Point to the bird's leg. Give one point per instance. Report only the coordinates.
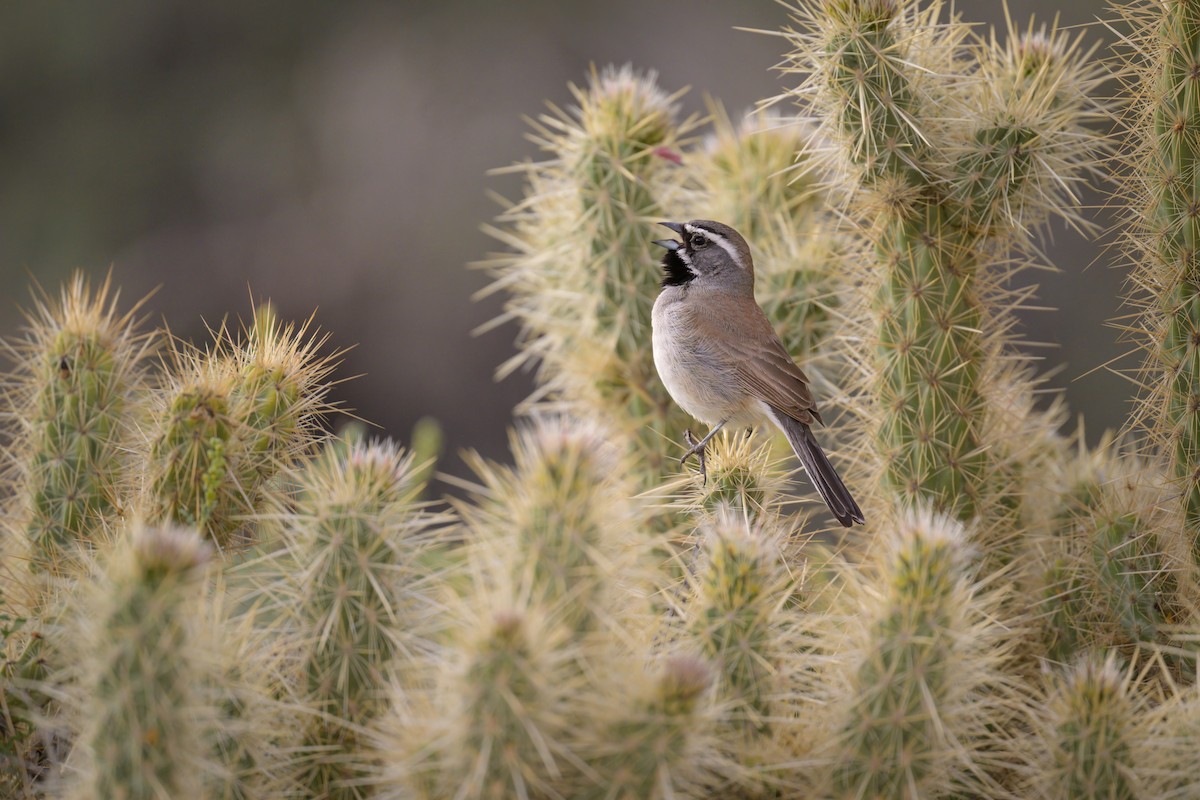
(697, 448)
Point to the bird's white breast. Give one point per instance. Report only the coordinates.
(699, 379)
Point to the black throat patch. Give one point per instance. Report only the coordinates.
(675, 271)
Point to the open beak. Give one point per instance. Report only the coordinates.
(670, 244)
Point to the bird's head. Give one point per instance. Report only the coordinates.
(707, 252)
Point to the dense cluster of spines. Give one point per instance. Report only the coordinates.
(196, 444)
(561, 521)
(927, 695)
(740, 591)
(756, 176)
(144, 727)
(582, 281)
(79, 371)
(228, 421)
(499, 722)
(355, 538)
(661, 749)
(1090, 736)
(1163, 127)
(940, 202)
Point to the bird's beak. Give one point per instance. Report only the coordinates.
(670, 244)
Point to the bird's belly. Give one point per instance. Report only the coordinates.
(700, 383)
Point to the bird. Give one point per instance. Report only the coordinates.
(721, 360)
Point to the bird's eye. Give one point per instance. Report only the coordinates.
(698, 241)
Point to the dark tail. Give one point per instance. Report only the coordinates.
(820, 471)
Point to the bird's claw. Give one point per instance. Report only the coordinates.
(695, 449)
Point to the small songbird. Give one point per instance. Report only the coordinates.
(721, 360)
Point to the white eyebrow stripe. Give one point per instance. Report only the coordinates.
(720, 241)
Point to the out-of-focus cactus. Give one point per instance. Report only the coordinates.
(1161, 152)
(195, 447)
(500, 720)
(1114, 569)
(1165, 742)
(563, 522)
(427, 443)
(1087, 737)
(228, 420)
(250, 741)
(355, 538)
(757, 176)
(72, 396)
(927, 698)
(144, 728)
(663, 747)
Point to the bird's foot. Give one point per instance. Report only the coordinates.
(695, 449)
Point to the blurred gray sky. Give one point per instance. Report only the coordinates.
(333, 157)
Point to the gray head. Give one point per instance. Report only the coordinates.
(710, 253)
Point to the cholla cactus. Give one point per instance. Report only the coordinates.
(928, 699)
(195, 450)
(228, 420)
(742, 473)
(1115, 569)
(74, 396)
(939, 201)
(144, 726)
(72, 401)
(743, 615)
(581, 627)
(1088, 737)
(355, 539)
(757, 176)
(664, 746)
(581, 276)
(500, 723)
(737, 619)
(283, 384)
(563, 523)
(1161, 141)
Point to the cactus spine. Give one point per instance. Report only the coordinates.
(663, 749)
(229, 420)
(282, 384)
(562, 522)
(755, 176)
(502, 727)
(734, 619)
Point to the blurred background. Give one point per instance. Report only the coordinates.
(333, 157)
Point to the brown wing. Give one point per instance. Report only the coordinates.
(760, 361)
